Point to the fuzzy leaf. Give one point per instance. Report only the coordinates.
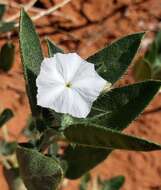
(2, 10)
(5, 116)
(104, 138)
(82, 159)
(114, 183)
(38, 171)
(133, 98)
(7, 56)
(52, 48)
(121, 106)
(32, 57)
(112, 61)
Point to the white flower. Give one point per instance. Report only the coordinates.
(68, 84)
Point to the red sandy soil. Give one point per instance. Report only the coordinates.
(85, 26)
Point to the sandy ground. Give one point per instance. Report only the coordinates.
(85, 26)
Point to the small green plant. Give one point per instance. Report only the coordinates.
(89, 140)
(149, 66)
(87, 115)
(114, 183)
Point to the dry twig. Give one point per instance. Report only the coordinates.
(48, 11)
(26, 7)
(38, 10)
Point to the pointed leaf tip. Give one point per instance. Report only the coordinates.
(119, 101)
(32, 56)
(114, 183)
(112, 61)
(105, 138)
(53, 48)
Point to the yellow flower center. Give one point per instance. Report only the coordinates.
(68, 85)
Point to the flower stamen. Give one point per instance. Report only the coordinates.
(68, 85)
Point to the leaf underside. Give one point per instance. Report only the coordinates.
(105, 138)
(38, 171)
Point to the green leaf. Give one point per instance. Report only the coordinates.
(82, 159)
(84, 181)
(6, 26)
(5, 116)
(153, 57)
(104, 138)
(38, 171)
(142, 70)
(114, 183)
(32, 57)
(52, 48)
(2, 10)
(115, 104)
(7, 56)
(112, 61)
(7, 148)
(154, 50)
(120, 106)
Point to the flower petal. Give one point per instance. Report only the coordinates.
(49, 82)
(68, 64)
(49, 71)
(88, 83)
(84, 84)
(72, 103)
(47, 94)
